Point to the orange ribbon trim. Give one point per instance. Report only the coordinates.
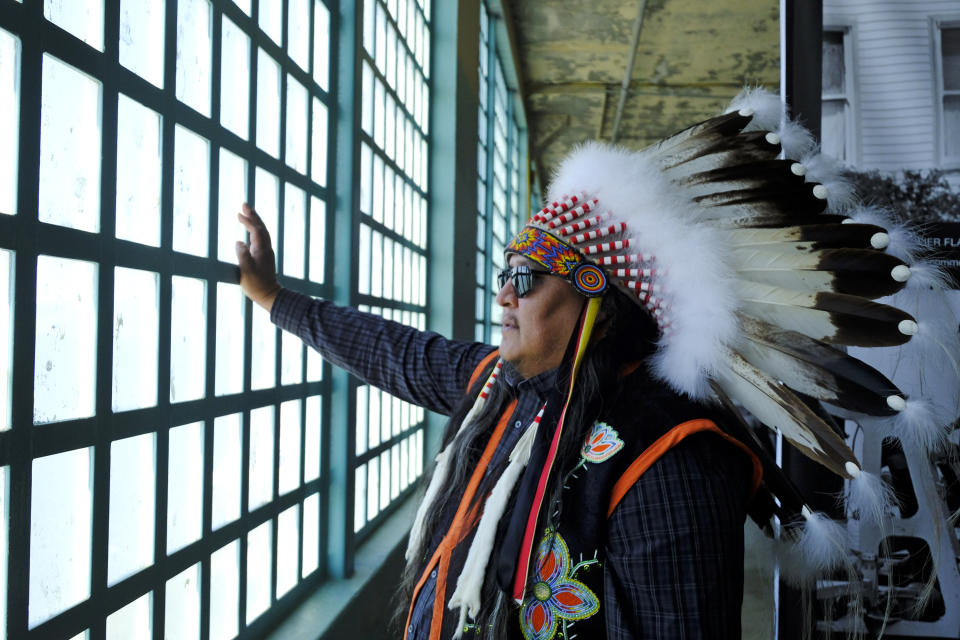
(666, 442)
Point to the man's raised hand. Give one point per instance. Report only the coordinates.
(258, 273)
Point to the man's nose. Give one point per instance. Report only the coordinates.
(507, 295)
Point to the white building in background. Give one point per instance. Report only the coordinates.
(891, 84)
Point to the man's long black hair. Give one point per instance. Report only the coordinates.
(624, 335)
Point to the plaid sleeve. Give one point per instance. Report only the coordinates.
(421, 367)
(675, 546)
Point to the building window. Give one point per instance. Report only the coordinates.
(392, 258)
(499, 156)
(950, 77)
(160, 470)
(837, 131)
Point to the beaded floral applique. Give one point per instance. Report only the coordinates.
(556, 599)
(602, 443)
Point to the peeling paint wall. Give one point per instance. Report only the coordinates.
(693, 56)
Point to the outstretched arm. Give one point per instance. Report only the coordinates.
(421, 367)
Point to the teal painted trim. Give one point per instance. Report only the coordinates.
(347, 21)
(452, 226)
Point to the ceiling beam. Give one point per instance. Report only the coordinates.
(628, 73)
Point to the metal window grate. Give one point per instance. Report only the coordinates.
(394, 54)
(498, 179)
(159, 442)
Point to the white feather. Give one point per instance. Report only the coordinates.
(869, 498)
(795, 140)
(819, 546)
(841, 194)
(904, 242)
(768, 110)
(922, 423)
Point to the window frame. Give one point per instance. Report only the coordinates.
(937, 25)
(849, 95)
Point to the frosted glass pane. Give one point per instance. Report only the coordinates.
(235, 79)
(271, 18)
(194, 44)
(288, 525)
(321, 44)
(833, 128)
(263, 360)
(182, 608)
(261, 457)
(61, 499)
(133, 622)
(314, 366)
(244, 5)
(289, 473)
(291, 359)
(9, 120)
(138, 173)
(141, 38)
(268, 104)
(259, 559)
(227, 466)
(318, 234)
(359, 497)
(311, 535)
(294, 231)
(132, 490)
(297, 103)
(82, 18)
(311, 439)
(135, 335)
(233, 192)
(268, 197)
(191, 192)
(69, 147)
(185, 486)
(951, 125)
(318, 170)
(65, 362)
(298, 32)
(229, 364)
(224, 591)
(6, 340)
(188, 339)
(950, 49)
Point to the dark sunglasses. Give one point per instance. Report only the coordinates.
(522, 278)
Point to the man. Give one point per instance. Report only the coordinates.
(669, 562)
(586, 485)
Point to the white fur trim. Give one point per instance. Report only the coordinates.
(466, 596)
(698, 296)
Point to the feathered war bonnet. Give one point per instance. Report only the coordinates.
(746, 248)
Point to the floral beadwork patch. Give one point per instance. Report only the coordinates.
(556, 597)
(602, 442)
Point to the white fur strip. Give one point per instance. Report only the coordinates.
(440, 471)
(469, 584)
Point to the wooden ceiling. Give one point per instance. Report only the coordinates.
(691, 57)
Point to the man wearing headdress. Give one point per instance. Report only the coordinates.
(665, 560)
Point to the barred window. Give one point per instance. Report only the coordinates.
(162, 439)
